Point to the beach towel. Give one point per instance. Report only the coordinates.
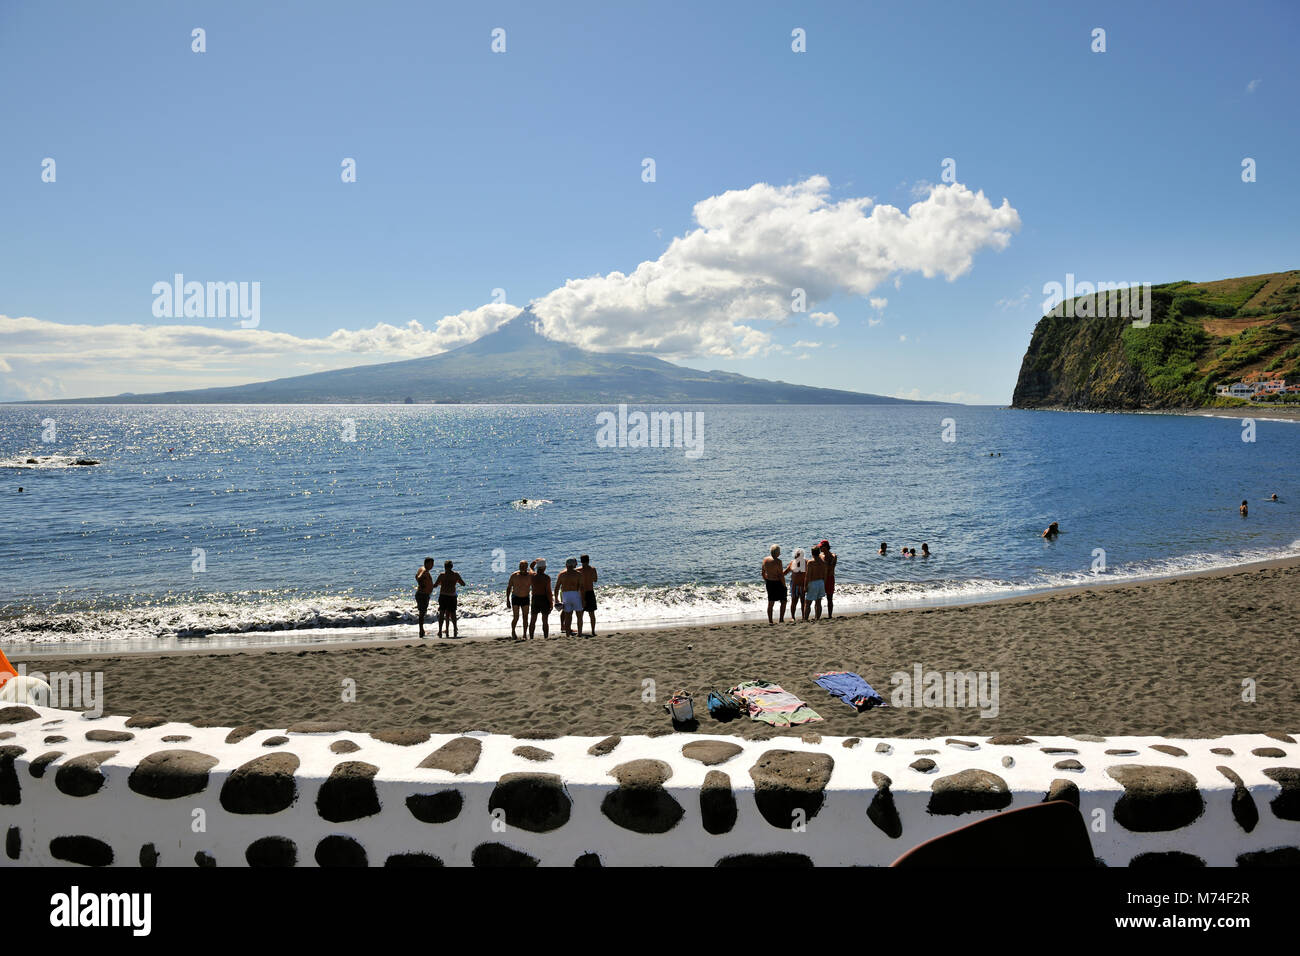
(772, 704)
(850, 688)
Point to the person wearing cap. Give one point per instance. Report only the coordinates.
(798, 570)
(774, 580)
(568, 595)
(831, 560)
(541, 603)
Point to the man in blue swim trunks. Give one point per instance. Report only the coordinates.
(816, 581)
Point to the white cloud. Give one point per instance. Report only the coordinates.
(1253, 85)
(902, 338)
(801, 344)
(1014, 302)
(711, 293)
(879, 304)
(110, 359)
(712, 288)
(872, 323)
(960, 398)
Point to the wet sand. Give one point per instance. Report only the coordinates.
(1163, 658)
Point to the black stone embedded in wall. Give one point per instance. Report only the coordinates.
(85, 850)
(171, 774)
(441, 807)
(717, 803)
(1156, 799)
(786, 781)
(11, 791)
(536, 802)
(498, 854)
(968, 791)
(263, 785)
(349, 792)
(272, 851)
(337, 850)
(640, 803)
(81, 776)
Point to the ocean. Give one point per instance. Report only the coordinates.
(256, 524)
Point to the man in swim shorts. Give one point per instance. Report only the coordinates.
(568, 595)
(774, 580)
(518, 588)
(816, 581)
(831, 560)
(423, 590)
(588, 593)
(446, 584)
(798, 583)
(541, 603)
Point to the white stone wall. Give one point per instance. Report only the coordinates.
(78, 790)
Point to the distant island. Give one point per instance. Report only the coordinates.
(515, 364)
(1232, 342)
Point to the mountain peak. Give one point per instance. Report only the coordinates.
(521, 332)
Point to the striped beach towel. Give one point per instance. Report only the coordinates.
(773, 704)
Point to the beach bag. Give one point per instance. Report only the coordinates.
(681, 708)
(722, 704)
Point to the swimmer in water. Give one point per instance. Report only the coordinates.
(1244, 510)
(925, 550)
(1052, 531)
(884, 548)
(1274, 497)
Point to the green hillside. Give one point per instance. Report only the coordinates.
(1202, 334)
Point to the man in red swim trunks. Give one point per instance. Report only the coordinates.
(830, 560)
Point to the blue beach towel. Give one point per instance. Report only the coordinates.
(850, 688)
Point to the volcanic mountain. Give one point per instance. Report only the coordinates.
(515, 364)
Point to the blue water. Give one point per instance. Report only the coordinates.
(300, 528)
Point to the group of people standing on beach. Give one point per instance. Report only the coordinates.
(528, 590)
(812, 580)
(574, 592)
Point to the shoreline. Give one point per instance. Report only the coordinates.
(1287, 413)
(1108, 659)
(403, 635)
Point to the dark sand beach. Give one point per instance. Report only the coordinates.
(1161, 658)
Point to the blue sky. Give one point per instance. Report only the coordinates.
(522, 170)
